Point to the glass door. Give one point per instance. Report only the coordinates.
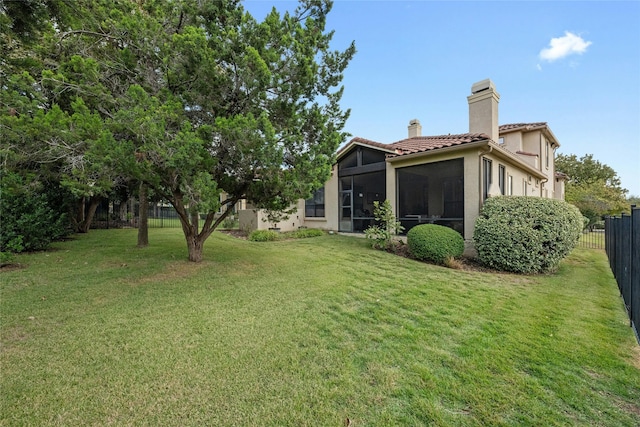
(346, 204)
(346, 210)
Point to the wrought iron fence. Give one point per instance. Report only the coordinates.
(622, 241)
(111, 214)
(592, 239)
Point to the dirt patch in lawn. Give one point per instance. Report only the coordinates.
(238, 234)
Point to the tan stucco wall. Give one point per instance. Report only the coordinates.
(531, 142)
(512, 141)
(558, 189)
(255, 219)
(331, 204)
(537, 143)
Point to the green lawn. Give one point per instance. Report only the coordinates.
(307, 333)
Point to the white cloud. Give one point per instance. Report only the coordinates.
(560, 47)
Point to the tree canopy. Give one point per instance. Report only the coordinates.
(592, 186)
(190, 98)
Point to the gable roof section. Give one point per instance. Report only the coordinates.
(512, 127)
(421, 144)
(528, 127)
(425, 144)
(365, 143)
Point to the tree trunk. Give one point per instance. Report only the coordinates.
(123, 210)
(143, 224)
(190, 226)
(84, 225)
(195, 245)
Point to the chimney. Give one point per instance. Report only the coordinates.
(414, 128)
(483, 109)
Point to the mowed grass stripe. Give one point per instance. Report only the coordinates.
(307, 332)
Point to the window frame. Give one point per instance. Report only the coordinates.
(502, 173)
(487, 178)
(313, 204)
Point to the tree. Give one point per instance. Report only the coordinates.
(387, 226)
(245, 108)
(53, 104)
(592, 186)
(189, 98)
(633, 200)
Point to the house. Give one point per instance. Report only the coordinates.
(434, 179)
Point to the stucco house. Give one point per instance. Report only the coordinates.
(440, 179)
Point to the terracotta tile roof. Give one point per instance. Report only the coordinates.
(372, 143)
(363, 141)
(420, 144)
(517, 126)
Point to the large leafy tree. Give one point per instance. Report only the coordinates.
(54, 102)
(592, 186)
(233, 105)
(191, 98)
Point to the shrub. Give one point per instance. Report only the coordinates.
(264, 236)
(435, 243)
(304, 233)
(526, 234)
(29, 223)
(388, 226)
(229, 223)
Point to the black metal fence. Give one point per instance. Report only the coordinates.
(126, 214)
(110, 214)
(622, 244)
(592, 239)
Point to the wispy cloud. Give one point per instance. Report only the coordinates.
(561, 47)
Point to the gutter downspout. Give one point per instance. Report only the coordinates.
(543, 181)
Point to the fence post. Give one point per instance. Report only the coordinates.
(634, 282)
(625, 261)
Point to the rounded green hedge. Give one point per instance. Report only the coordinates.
(264, 236)
(304, 233)
(435, 243)
(526, 234)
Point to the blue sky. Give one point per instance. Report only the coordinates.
(574, 65)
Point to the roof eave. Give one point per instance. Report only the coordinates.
(434, 151)
(508, 155)
(354, 142)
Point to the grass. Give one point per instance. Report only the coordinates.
(307, 332)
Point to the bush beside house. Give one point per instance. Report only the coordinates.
(526, 234)
(435, 243)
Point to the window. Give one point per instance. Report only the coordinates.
(486, 182)
(360, 156)
(314, 206)
(510, 185)
(546, 153)
(349, 161)
(501, 174)
(431, 193)
(372, 156)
